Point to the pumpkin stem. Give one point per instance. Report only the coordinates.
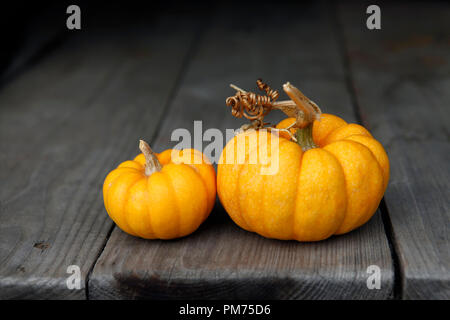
(304, 110)
(256, 107)
(305, 138)
(152, 163)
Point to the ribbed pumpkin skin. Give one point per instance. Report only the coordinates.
(328, 190)
(168, 204)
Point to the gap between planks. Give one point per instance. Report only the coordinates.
(194, 44)
(343, 49)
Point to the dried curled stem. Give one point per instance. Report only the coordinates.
(255, 107)
(272, 94)
(251, 105)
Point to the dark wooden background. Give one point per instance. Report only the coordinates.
(73, 105)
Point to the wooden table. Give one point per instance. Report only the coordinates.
(77, 109)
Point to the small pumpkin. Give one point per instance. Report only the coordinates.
(161, 196)
(330, 181)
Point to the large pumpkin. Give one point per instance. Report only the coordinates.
(329, 182)
(164, 196)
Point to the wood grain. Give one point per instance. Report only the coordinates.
(61, 126)
(220, 260)
(401, 76)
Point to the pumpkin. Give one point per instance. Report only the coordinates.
(329, 182)
(161, 196)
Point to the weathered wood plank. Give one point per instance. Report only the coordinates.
(61, 126)
(277, 43)
(401, 75)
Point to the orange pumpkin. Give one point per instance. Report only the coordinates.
(161, 196)
(329, 182)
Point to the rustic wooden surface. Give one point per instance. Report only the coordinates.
(220, 260)
(83, 103)
(79, 111)
(401, 77)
